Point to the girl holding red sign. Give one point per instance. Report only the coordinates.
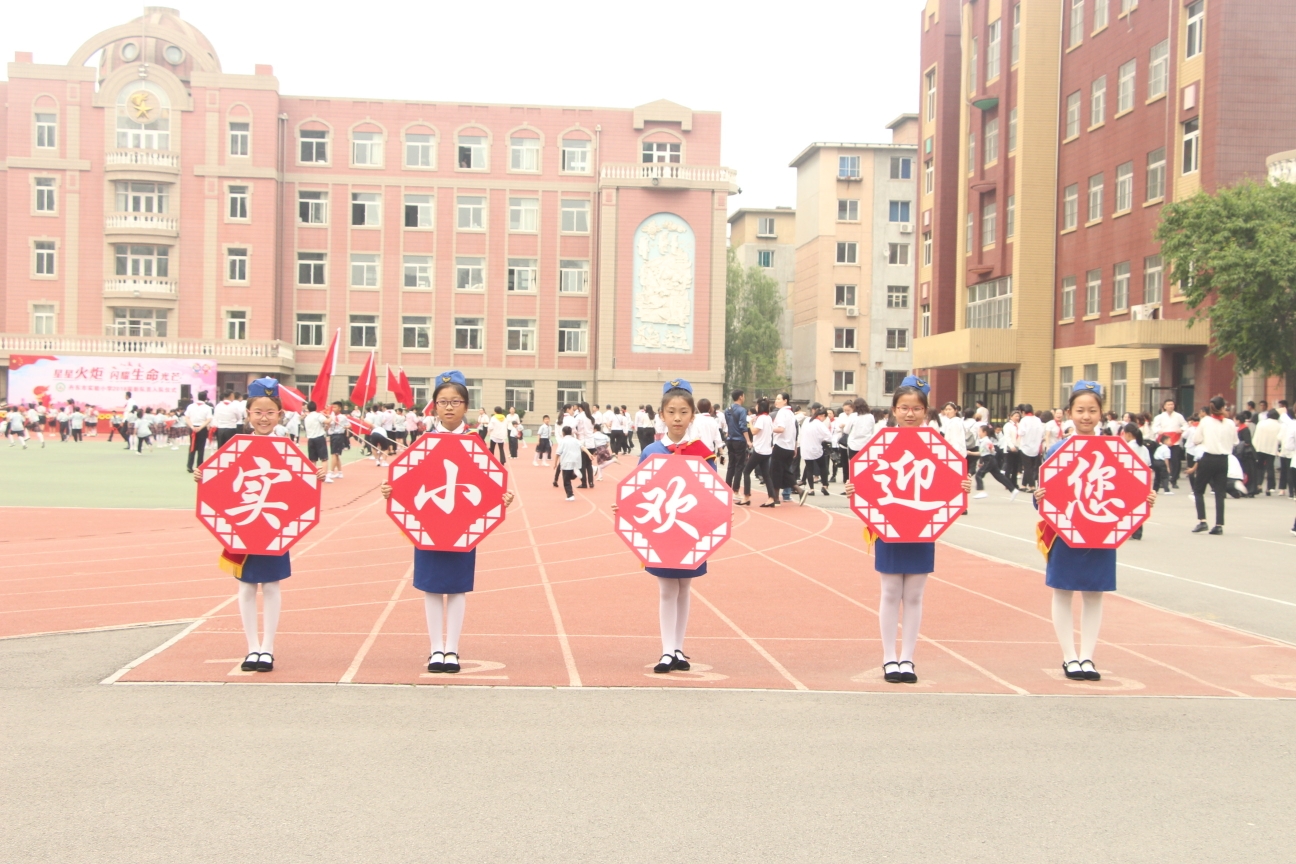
(904, 567)
(1089, 571)
(446, 578)
(677, 412)
(265, 412)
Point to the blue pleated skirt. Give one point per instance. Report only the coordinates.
(444, 572)
(904, 558)
(265, 568)
(1080, 569)
(671, 573)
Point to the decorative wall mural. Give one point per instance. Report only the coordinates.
(664, 254)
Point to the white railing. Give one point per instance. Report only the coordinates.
(143, 158)
(108, 345)
(139, 285)
(141, 222)
(668, 171)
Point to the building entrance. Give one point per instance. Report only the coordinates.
(995, 389)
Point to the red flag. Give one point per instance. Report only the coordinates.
(320, 392)
(394, 385)
(406, 390)
(357, 426)
(366, 386)
(292, 399)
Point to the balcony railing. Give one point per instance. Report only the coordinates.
(150, 222)
(134, 286)
(669, 171)
(133, 158)
(990, 305)
(109, 345)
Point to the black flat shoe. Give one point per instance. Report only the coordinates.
(1088, 671)
(666, 664)
(1073, 670)
(265, 662)
(910, 677)
(680, 662)
(891, 676)
(435, 665)
(1217, 530)
(250, 662)
(770, 504)
(451, 666)
(1201, 527)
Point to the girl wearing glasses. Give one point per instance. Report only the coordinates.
(904, 567)
(445, 578)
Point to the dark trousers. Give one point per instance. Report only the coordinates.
(497, 447)
(1012, 464)
(646, 436)
(223, 436)
(1162, 472)
(989, 464)
(197, 447)
(1284, 468)
(1030, 470)
(587, 470)
(842, 457)
(737, 463)
(815, 467)
(619, 442)
(760, 463)
(513, 445)
(75, 433)
(568, 476)
(1176, 464)
(63, 431)
(1212, 471)
(783, 468)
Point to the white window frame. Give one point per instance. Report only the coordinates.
(470, 274)
(1191, 151)
(848, 167)
(1068, 298)
(844, 296)
(843, 380)
(1093, 293)
(238, 203)
(765, 225)
(1072, 116)
(1016, 34)
(576, 155)
(1101, 9)
(575, 215)
(1153, 279)
(1076, 29)
(416, 329)
(1010, 218)
(422, 207)
(310, 325)
(844, 339)
(929, 176)
(470, 212)
(898, 254)
(929, 82)
(1070, 207)
(524, 155)
(316, 204)
(850, 206)
(44, 258)
(1098, 101)
(44, 319)
(573, 276)
(765, 258)
(897, 296)
(367, 325)
(1156, 174)
(367, 149)
(524, 215)
(1195, 32)
(1159, 69)
(1095, 212)
(240, 138)
(372, 203)
(1127, 77)
(927, 248)
(476, 148)
(573, 336)
(1120, 286)
(994, 33)
(318, 139)
(523, 276)
(847, 252)
(1012, 131)
(899, 211)
(236, 264)
(420, 150)
(45, 196)
(897, 339)
(1124, 187)
(989, 224)
(365, 270)
(46, 131)
(991, 147)
(520, 335)
(236, 325)
(416, 272)
(469, 334)
(313, 265)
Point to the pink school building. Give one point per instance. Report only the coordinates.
(155, 205)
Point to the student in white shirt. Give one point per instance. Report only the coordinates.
(226, 418)
(815, 436)
(513, 426)
(570, 456)
(1171, 422)
(544, 447)
(783, 460)
(1217, 435)
(316, 426)
(1030, 440)
(198, 417)
(144, 432)
(76, 423)
(643, 427)
(1265, 440)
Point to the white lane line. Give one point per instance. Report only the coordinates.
(198, 622)
(107, 628)
(569, 659)
(351, 671)
(997, 533)
(756, 646)
(1274, 542)
(1209, 585)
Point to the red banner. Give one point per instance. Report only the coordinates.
(258, 495)
(447, 492)
(1095, 491)
(673, 511)
(908, 484)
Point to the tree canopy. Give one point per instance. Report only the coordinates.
(1234, 254)
(753, 339)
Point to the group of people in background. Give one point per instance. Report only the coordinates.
(72, 422)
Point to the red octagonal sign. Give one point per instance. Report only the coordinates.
(908, 484)
(447, 492)
(1095, 491)
(673, 511)
(258, 494)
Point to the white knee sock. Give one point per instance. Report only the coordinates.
(682, 611)
(1062, 624)
(914, 585)
(1090, 622)
(455, 606)
(432, 607)
(889, 613)
(272, 600)
(668, 612)
(248, 612)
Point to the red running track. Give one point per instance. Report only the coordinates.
(790, 603)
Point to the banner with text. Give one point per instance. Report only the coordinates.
(154, 382)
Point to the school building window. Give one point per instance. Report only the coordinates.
(991, 141)
(240, 135)
(1151, 370)
(236, 321)
(312, 207)
(470, 274)
(575, 156)
(421, 391)
(472, 212)
(1195, 43)
(310, 328)
(367, 148)
(901, 168)
(522, 274)
(899, 211)
(364, 270)
(520, 335)
(1066, 377)
(310, 268)
(897, 296)
(236, 260)
(1156, 174)
(46, 131)
(661, 151)
(1191, 145)
(44, 252)
(1120, 286)
(1152, 279)
(1070, 206)
(897, 339)
(765, 257)
(524, 214)
(575, 216)
(313, 146)
(573, 337)
(1093, 291)
(844, 338)
(844, 295)
(366, 208)
(573, 277)
(418, 211)
(843, 381)
(848, 167)
(897, 253)
(418, 151)
(1125, 87)
(891, 379)
(45, 191)
(1118, 387)
(363, 331)
(43, 319)
(417, 271)
(847, 210)
(416, 332)
(570, 393)
(472, 152)
(238, 202)
(524, 154)
(1124, 186)
(146, 261)
(468, 334)
(847, 253)
(520, 395)
(1068, 297)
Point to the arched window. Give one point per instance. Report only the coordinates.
(143, 117)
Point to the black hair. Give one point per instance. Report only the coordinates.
(1217, 404)
(1272, 414)
(274, 399)
(704, 406)
(310, 406)
(860, 406)
(1134, 432)
(786, 397)
(1076, 394)
(969, 413)
(1026, 408)
(567, 430)
(584, 406)
(679, 393)
(737, 394)
(458, 388)
(499, 410)
(652, 415)
(908, 390)
(616, 410)
(821, 411)
(762, 406)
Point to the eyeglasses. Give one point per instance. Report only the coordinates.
(450, 403)
(910, 409)
(261, 414)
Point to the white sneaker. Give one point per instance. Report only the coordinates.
(328, 479)
(1013, 496)
(573, 498)
(338, 475)
(981, 495)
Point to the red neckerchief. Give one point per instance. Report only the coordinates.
(690, 448)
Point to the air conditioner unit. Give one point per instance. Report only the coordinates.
(1145, 312)
(852, 311)
(906, 227)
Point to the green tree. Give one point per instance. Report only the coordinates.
(1234, 254)
(753, 336)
